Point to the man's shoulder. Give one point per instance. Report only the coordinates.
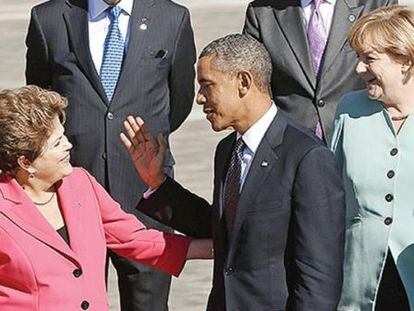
(171, 5)
(297, 138)
(51, 5)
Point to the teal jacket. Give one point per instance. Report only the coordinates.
(378, 173)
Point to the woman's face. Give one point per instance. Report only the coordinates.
(383, 76)
(53, 163)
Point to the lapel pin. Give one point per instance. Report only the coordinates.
(264, 164)
(143, 25)
(351, 18)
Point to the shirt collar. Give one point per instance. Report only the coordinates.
(253, 136)
(305, 3)
(98, 7)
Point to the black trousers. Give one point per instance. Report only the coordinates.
(391, 293)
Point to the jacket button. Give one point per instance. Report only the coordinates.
(110, 116)
(228, 271)
(389, 197)
(321, 103)
(390, 174)
(104, 156)
(77, 273)
(388, 221)
(84, 305)
(394, 151)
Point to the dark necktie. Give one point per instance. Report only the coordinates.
(232, 187)
(113, 54)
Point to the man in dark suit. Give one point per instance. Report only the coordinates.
(277, 217)
(307, 95)
(111, 59)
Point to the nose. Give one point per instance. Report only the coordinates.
(360, 68)
(201, 99)
(68, 145)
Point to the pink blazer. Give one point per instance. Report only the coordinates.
(39, 271)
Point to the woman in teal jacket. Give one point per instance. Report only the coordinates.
(373, 139)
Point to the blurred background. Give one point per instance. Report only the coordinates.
(210, 19)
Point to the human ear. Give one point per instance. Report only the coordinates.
(25, 164)
(245, 81)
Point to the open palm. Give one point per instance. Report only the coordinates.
(148, 155)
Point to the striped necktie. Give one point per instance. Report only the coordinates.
(113, 54)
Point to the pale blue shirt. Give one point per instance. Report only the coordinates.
(252, 138)
(98, 23)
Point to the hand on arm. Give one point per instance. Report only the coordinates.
(148, 155)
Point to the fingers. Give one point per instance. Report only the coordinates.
(144, 129)
(127, 143)
(134, 130)
(162, 146)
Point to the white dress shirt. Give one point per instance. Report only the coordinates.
(326, 8)
(252, 138)
(98, 23)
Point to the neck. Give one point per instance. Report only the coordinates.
(34, 187)
(402, 103)
(254, 110)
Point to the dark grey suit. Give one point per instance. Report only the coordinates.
(286, 248)
(279, 25)
(160, 89)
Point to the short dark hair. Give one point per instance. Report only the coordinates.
(237, 52)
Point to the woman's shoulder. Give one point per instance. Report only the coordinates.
(357, 104)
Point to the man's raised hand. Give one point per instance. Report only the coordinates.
(148, 156)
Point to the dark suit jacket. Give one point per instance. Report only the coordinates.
(286, 250)
(160, 90)
(280, 27)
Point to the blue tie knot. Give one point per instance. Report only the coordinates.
(114, 12)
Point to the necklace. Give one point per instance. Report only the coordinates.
(399, 118)
(47, 202)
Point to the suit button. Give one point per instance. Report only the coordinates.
(321, 103)
(104, 156)
(110, 116)
(77, 273)
(390, 174)
(394, 151)
(389, 197)
(228, 271)
(84, 305)
(388, 221)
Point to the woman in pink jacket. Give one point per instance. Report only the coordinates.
(57, 221)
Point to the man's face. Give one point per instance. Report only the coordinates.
(219, 95)
(112, 2)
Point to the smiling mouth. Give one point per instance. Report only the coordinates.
(66, 158)
(371, 81)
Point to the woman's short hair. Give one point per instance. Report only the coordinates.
(387, 30)
(26, 119)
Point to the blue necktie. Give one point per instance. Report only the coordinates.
(113, 54)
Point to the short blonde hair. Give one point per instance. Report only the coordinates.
(387, 30)
(26, 118)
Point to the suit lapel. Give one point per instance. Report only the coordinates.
(24, 214)
(262, 164)
(138, 37)
(289, 16)
(346, 12)
(76, 18)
